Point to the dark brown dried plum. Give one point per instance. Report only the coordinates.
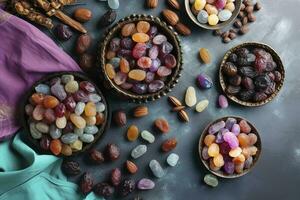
(127, 187)
(103, 189)
(242, 52)
(232, 58)
(261, 82)
(112, 152)
(235, 80)
(108, 18)
(247, 83)
(233, 89)
(96, 156)
(247, 71)
(278, 76)
(86, 183)
(271, 89)
(242, 61)
(271, 66)
(246, 95)
(259, 96)
(229, 69)
(70, 168)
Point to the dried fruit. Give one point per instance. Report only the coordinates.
(174, 101)
(70, 168)
(63, 32)
(183, 29)
(112, 152)
(132, 133)
(128, 29)
(204, 81)
(140, 37)
(138, 151)
(140, 111)
(205, 55)
(183, 116)
(145, 184)
(108, 18)
(211, 180)
(96, 156)
(115, 177)
(83, 43)
(170, 16)
(149, 137)
(131, 167)
(86, 183)
(120, 118)
(169, 144)
(103, 189)
(143, 26)
(152, 3)
(55, 146)
(127, 187)
(172, 159)
(156, 169)
(223, 103)
(202, 105)
(162, 125)
(82, 14)
(190, 96)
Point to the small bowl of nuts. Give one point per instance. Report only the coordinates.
(251, 74)
(213, 14)
(64, 114)
(229, 147)
(141, 58)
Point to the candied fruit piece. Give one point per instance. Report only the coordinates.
(87, 86)
(90, 109)
(49, 116)
(124, 65)
(152, 31)
(159, 39)
(70, 103)
(244, 139)
(55, 146)
(218, 160)
(38, 113)
(155, 86)
(37, 98)
(132, 133)
(139, 50)
(239, 168)
(140, 37)
(143, 27)
(162, 125)
(252, 138)
(229, 167)
(245, 127)
(120, 78)
(212, 166)
(239, 159)
(169, 144)
(235, 152)
(213, 150)
(114, 44)
(204, 153)
(144, 62)
(209, 139)
(50, 101)
(139, 88)
(153, 52)
(128, 29)
(77, 120)
(137, 74)
(170, 61)
(126, 43)
(163, 71)
(231, 139)
(110, 71)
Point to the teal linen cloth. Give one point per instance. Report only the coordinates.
(25, 175)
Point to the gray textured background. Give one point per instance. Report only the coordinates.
(276, 175)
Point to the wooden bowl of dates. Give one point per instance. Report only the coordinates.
(64, 114)
(251, 74)
(192, 13)
(141, 58)
(231, 151)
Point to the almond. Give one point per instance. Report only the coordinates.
(140, 111)
(184, 116)
(152, 3)
(175, 101)
(178, 108)
(182, 29)
(174, 4)
(170, 16)
(131, 167)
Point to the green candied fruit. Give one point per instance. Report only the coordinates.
(211, 180)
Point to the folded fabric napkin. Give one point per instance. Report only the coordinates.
(26, 55)
(27, 175)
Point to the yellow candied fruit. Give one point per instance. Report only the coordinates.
(209, 139)
(218, 160)
(111, 73)
(213, 19)
(199, 4)
(213, 150)
(140, 37)
(235, 152)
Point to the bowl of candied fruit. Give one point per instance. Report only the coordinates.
(141, 58)
(229, 147)
(64, 114)
(251, 74)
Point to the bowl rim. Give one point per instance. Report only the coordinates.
(174, 79)
(192, 17)
(276, 58)
(222, 174)
(83, 77)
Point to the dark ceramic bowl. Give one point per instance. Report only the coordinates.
(171, 80)
(80, 77)
(220, 173)
(221, 25)
(276, 59)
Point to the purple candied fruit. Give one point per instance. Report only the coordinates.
(229, 167)
(223, 102)
(155, 86)
(155, 65)
(152, 31)
(114, 44)
(166, 47)
(219, 137)
(224, 148)
(204, 153)
(159, 39)
(70, 103)
(235, 129)
(229, 123)
(145, 184)
(149, 77)
(163, 71)
(58, 91)
(139, 50)
(124, 53)
(126, 86)
(170, 61)
(231, 139)
(126, 43)
(139, 88)
(216, 127)
(80, 96)
(248, 162)
(204, 81)
(120, 78)
(153, 52)
(220, 4)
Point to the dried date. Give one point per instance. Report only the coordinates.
(70, 168)
(86, 183)
(112, 152)
(115, 177)
(103, 189)
(96, 156)
(108, 18)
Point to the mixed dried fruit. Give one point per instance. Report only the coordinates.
(67, 112)
(140, 58)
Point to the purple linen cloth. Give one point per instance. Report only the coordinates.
(26, 55)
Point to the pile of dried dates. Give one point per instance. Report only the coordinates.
(251, 74)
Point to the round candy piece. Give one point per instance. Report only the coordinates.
(202, 17)
(213, 150)
(224, 15)
(213, 19)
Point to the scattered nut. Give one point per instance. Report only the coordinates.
(140, 111)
